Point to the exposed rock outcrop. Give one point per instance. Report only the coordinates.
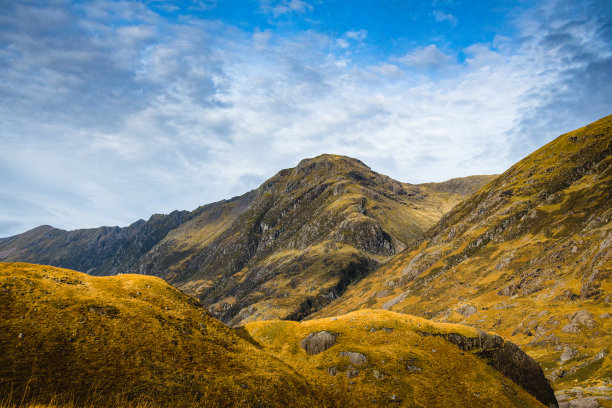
(318, 342)
(509, 360)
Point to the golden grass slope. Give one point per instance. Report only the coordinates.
(402, 367)
(130, 340)
(72, 340)
(528, 256)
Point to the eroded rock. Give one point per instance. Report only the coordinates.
(467, 310)
(318, 342)
(583, 318)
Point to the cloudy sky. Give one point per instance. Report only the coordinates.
(111, 111)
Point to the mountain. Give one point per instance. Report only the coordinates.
(528, 256)
(112, 250)
(307, 234)
(97, 251)
(282, 251)
(71, 339)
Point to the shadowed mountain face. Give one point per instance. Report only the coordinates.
(528, 256)
(124, 341)
(281, 251)
(112, 250)
(97, 251)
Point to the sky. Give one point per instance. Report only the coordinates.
(111, 111)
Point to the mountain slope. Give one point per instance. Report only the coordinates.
(126, 340)
(307, 234)
(112, 250)
(133, 340)
(528, 256)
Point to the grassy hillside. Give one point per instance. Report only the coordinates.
(528, 256)
(128, 340)
(384, 358)
(70, 339)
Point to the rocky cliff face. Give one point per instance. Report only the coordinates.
(522, 257)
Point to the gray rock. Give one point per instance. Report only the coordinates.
(605, 315)
(588, 402)
(354, 357)
(583, 318)
(352, 372)
(318, 342)
(378, 375)
(332, 371)
(413, 368)
(467, 310)
(568, 354)
(571, 328)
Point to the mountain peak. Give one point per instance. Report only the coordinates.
(329, 161)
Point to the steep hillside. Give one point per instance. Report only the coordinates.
(132, 340)
(70, 337)
(529, 256)
(307, 234)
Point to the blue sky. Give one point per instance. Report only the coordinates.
(111, 111)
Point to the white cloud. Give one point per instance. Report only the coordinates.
(441, 16)
(429, 57)
(279, 8)
(358, 35)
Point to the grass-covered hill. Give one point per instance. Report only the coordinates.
(68, 339)
(281, 251)
(528, 256)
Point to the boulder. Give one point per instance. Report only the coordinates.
(570, 328)
(354, 357)
(467, 310)
(318, 342)
(568, 354)
(583, 318)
